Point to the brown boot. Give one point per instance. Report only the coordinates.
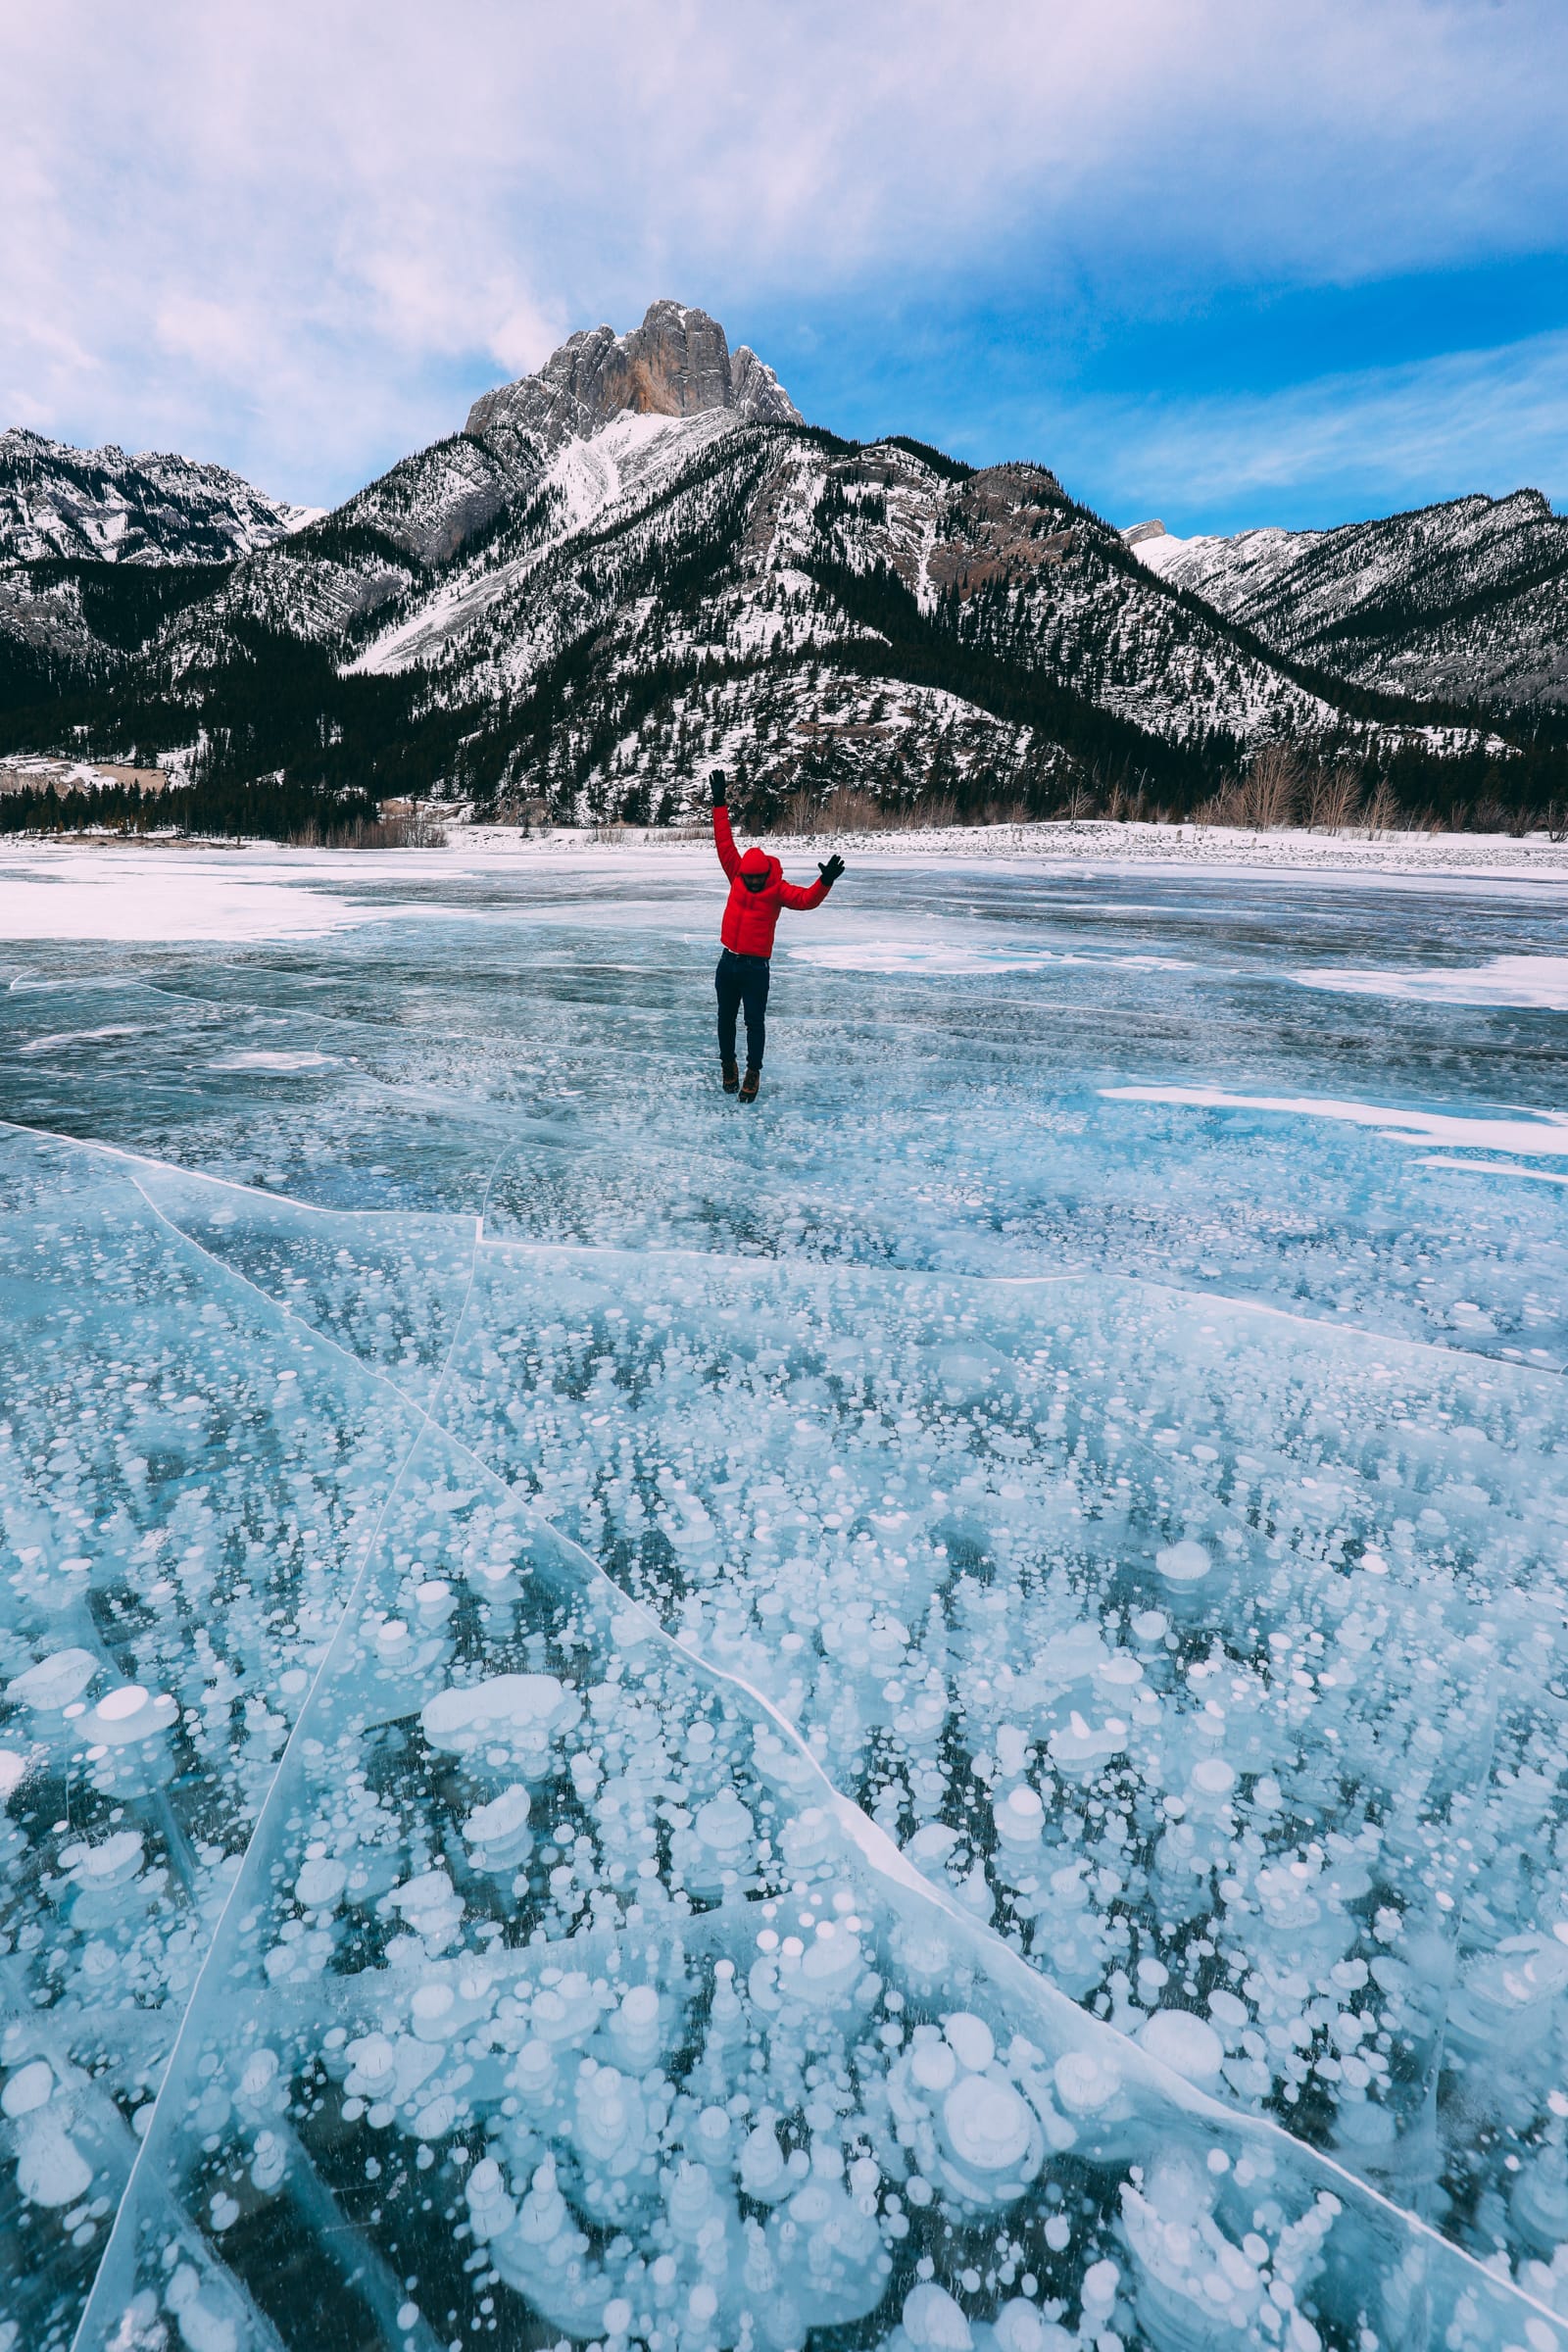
(749, 1084)
(731, 1076)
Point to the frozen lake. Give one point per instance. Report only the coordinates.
(934, 1714)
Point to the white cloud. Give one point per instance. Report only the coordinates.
(1487, 421)
(375, 206)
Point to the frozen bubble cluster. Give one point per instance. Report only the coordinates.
(935, 1716)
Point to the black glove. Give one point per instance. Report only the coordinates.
(720, 787)
(831, 872)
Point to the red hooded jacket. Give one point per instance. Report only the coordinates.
(750, 917)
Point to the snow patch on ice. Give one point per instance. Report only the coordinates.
(156, 898)
(1537, 982)
(947, 959)
(81, 1036)
(1544, 1132)
(1493, 1167)
(278, 1061)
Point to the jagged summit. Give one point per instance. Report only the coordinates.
(677, 364)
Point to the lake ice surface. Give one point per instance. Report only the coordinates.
(933, 1715)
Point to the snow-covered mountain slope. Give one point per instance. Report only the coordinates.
(639, 563)
(672, 592)
(105, 505)
(1466, 601)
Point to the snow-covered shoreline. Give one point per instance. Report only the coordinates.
(1098, 841)
(160, 891)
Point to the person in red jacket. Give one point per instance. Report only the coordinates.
(757, 891)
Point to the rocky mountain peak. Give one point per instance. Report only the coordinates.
(677, 364)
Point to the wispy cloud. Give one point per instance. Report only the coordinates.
(301, 237)
(1492, 421)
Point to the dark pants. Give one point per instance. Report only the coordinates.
(742, 981)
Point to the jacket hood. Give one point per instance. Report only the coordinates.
(755, 860)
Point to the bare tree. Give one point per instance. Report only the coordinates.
(1271, 786)
(1382, 813)
(1334, 796)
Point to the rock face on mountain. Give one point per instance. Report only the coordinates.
(676, 363)
(113, 508)
(1466, 600)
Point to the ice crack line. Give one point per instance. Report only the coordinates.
(881, 1855)
(118, 2248)
(863, 1270)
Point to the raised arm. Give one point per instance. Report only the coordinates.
(795, 894)
(723, 838)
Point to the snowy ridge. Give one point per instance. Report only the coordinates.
(1465, 601)
(588, 482)
(113, 509)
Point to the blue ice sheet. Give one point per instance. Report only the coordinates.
(929, 1715)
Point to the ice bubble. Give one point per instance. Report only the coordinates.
(933, 2322)
(809, 1839)
(987, 2125)
(1100, 2281)
(612, 2123)
(430, 1906)
(261, 2072)
(932, 1844)
(31, 2087)
(55, 1682)
(565, 2012)
(1020, 1818)
(1506, 1991)
(1020, 2328)
(725, 1831)
(112, 1862)
(933, 2064)
(972, 2040)
(635, 2030)
(320, 1882)
(128, 1713)
(1186, 2043)
(1085, 2083)
(1080, 1747)
(1210, 1782)
(520, 1710)
(764, 2175)
(534, 2076)
(201, 2327)
(372, 2066)
(51, 2169)
(497, 1834)
(439, 2008)
(828, 1968)
(1183, 1563)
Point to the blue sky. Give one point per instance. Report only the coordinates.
(1223, 261)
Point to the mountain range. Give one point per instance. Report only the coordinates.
(1466, 602)
(640, 562)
